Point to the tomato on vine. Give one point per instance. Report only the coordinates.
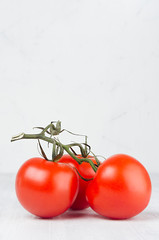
(120, 189)
(46, 189)
(86, 171)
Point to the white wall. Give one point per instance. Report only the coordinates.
(92, 64)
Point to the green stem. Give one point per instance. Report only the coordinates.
(50, 140)
(81, 159)
(85, 179)
(86, 144)
(45, 129)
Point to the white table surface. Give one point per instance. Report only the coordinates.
(17, 223)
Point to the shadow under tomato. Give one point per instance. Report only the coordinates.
(70, 214)
(144, 216)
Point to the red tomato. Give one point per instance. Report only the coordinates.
(120, 189)
(46, 189)
(86, 171)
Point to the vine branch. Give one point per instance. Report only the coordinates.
(42, 136)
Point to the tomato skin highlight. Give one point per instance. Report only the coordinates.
(120, 189)
(86, 171)
(46, 189)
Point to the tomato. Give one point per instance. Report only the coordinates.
(120, 189)
(46, 189)
(85, 171)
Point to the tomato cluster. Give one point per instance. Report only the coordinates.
(118, 188)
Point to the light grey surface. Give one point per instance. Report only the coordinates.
(16, 223)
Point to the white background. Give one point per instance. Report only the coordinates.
(94, 65)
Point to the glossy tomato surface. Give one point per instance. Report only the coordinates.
(121, 188)
(46, 189)
(86, 171)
